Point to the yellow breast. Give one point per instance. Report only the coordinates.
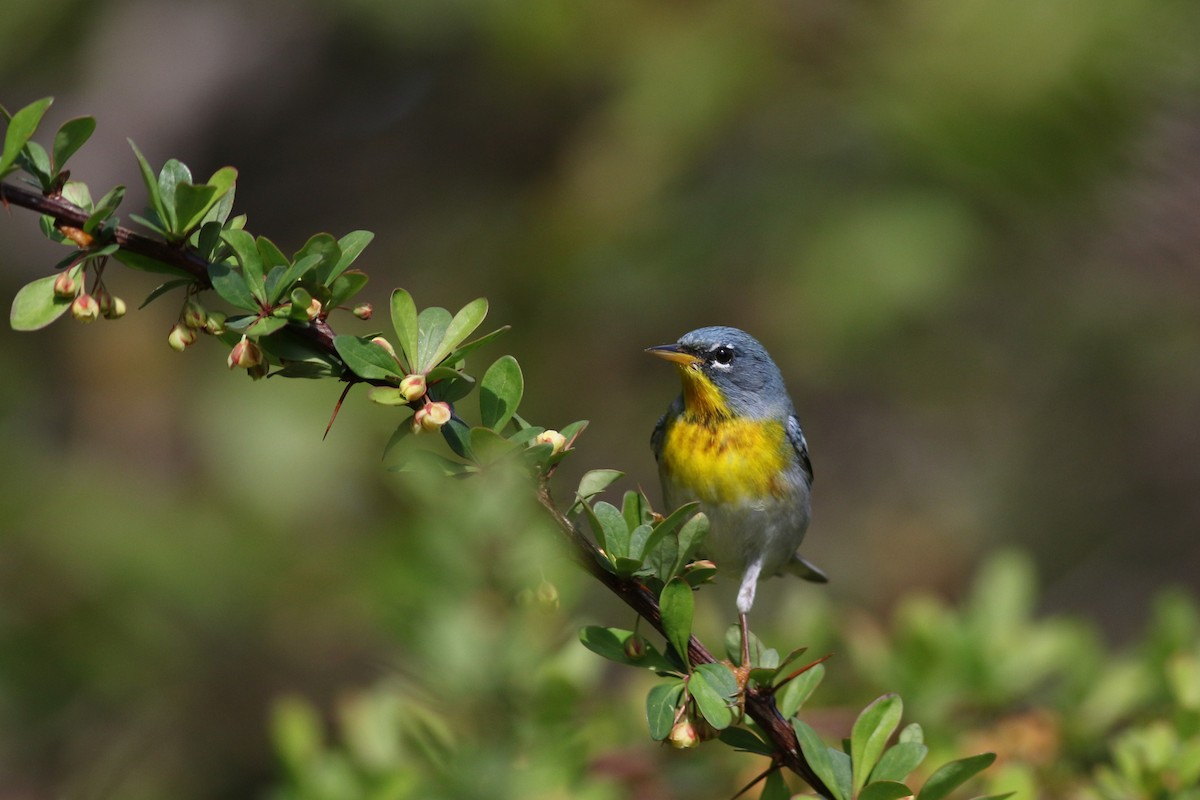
(725, 459)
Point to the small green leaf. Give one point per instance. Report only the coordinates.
(949, 777)
(432, 323)
(743, 739)
(820, 757)
(279, 282)
(610, 643)
(162, 289)
(155, 196)
(677, 606)
(458, 436)
(36, 305)
(366, 360)
(350, 246)
(775, 788)
(635, 509)
(193, 202)
(70, 137)
(500, 392)
(596, 481)
(229, 284)
(714, 689)
(899, 760)
(460, 353)
(21, 126)
(345, 286)
(885, 790)
(270, 255)
(404, 320)
(489, 446)
(104, 209)
(912, 732)
(841, 771)
(691, 536)
(612, 532)
(870, 735)
(245, 250)
(796, 692)
(172, 174)
(146, 264)
(461, 326)
(661, 707)
(264, 326)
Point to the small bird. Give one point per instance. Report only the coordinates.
(732, 442)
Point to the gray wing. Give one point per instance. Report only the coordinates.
(796, 437)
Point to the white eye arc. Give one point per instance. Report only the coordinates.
(722, 355)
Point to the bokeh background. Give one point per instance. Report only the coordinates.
(967, 231)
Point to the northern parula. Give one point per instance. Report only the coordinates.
(731, 441)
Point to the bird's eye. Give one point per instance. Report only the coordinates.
(723, 354)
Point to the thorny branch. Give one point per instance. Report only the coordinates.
(760, 705)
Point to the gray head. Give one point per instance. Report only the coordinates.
(737, 364)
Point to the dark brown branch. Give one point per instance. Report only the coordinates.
(760, 704)
(181, 257)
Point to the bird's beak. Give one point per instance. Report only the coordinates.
(671, 352)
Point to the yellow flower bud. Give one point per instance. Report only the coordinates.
(363, 311)
(245, 354)
(85, 308)
(413, 386)
(683, 736)
(65, 286)
(181, 337)
(431, 416)
(553, 438)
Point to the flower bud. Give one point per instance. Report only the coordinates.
(314, 309)
(547, 595)
(385, 344)
(114, 308)
(65, 286)
(85, 308)
(413, 386)
(553, 438)
(215, 324)
(194, 314)
(635, 647)
(431, 416)
(683, 736)
(181, 337)
(245, 354)
(363, 311)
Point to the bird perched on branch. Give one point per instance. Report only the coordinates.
(732, 442)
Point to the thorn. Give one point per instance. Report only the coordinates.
(336, 409)
(801, 671)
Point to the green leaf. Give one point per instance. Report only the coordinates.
(194, 201)
(500, 392)
(170, 177)
(366, 360)
(596, 481)
(245, 250)
(885, 790)
(743, 739)
(70, 137)
(288, 275)
(677, 606)
(404, 320)
(611, 529)
(949, 777)
(458, 436)
(264, 326)
(714, 689)
(458, 354)
(796, 692)
(229, 284)
(461, 326)
(104, 209)
(146, 264)
(912, 733)
(775, 788)
(432, 323)
(661, 705)
(155, 195)
(489, 446)
(270, 255)
(870, 735)
(820, 758)
(37, 161)
(610, 643)
(899, 760)
(21, 126)
(162, 289)
(345, 286)
(691, 536)
(36, 305)
(635, 509)
(350, 246)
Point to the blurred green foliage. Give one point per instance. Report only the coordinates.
(965, 229)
